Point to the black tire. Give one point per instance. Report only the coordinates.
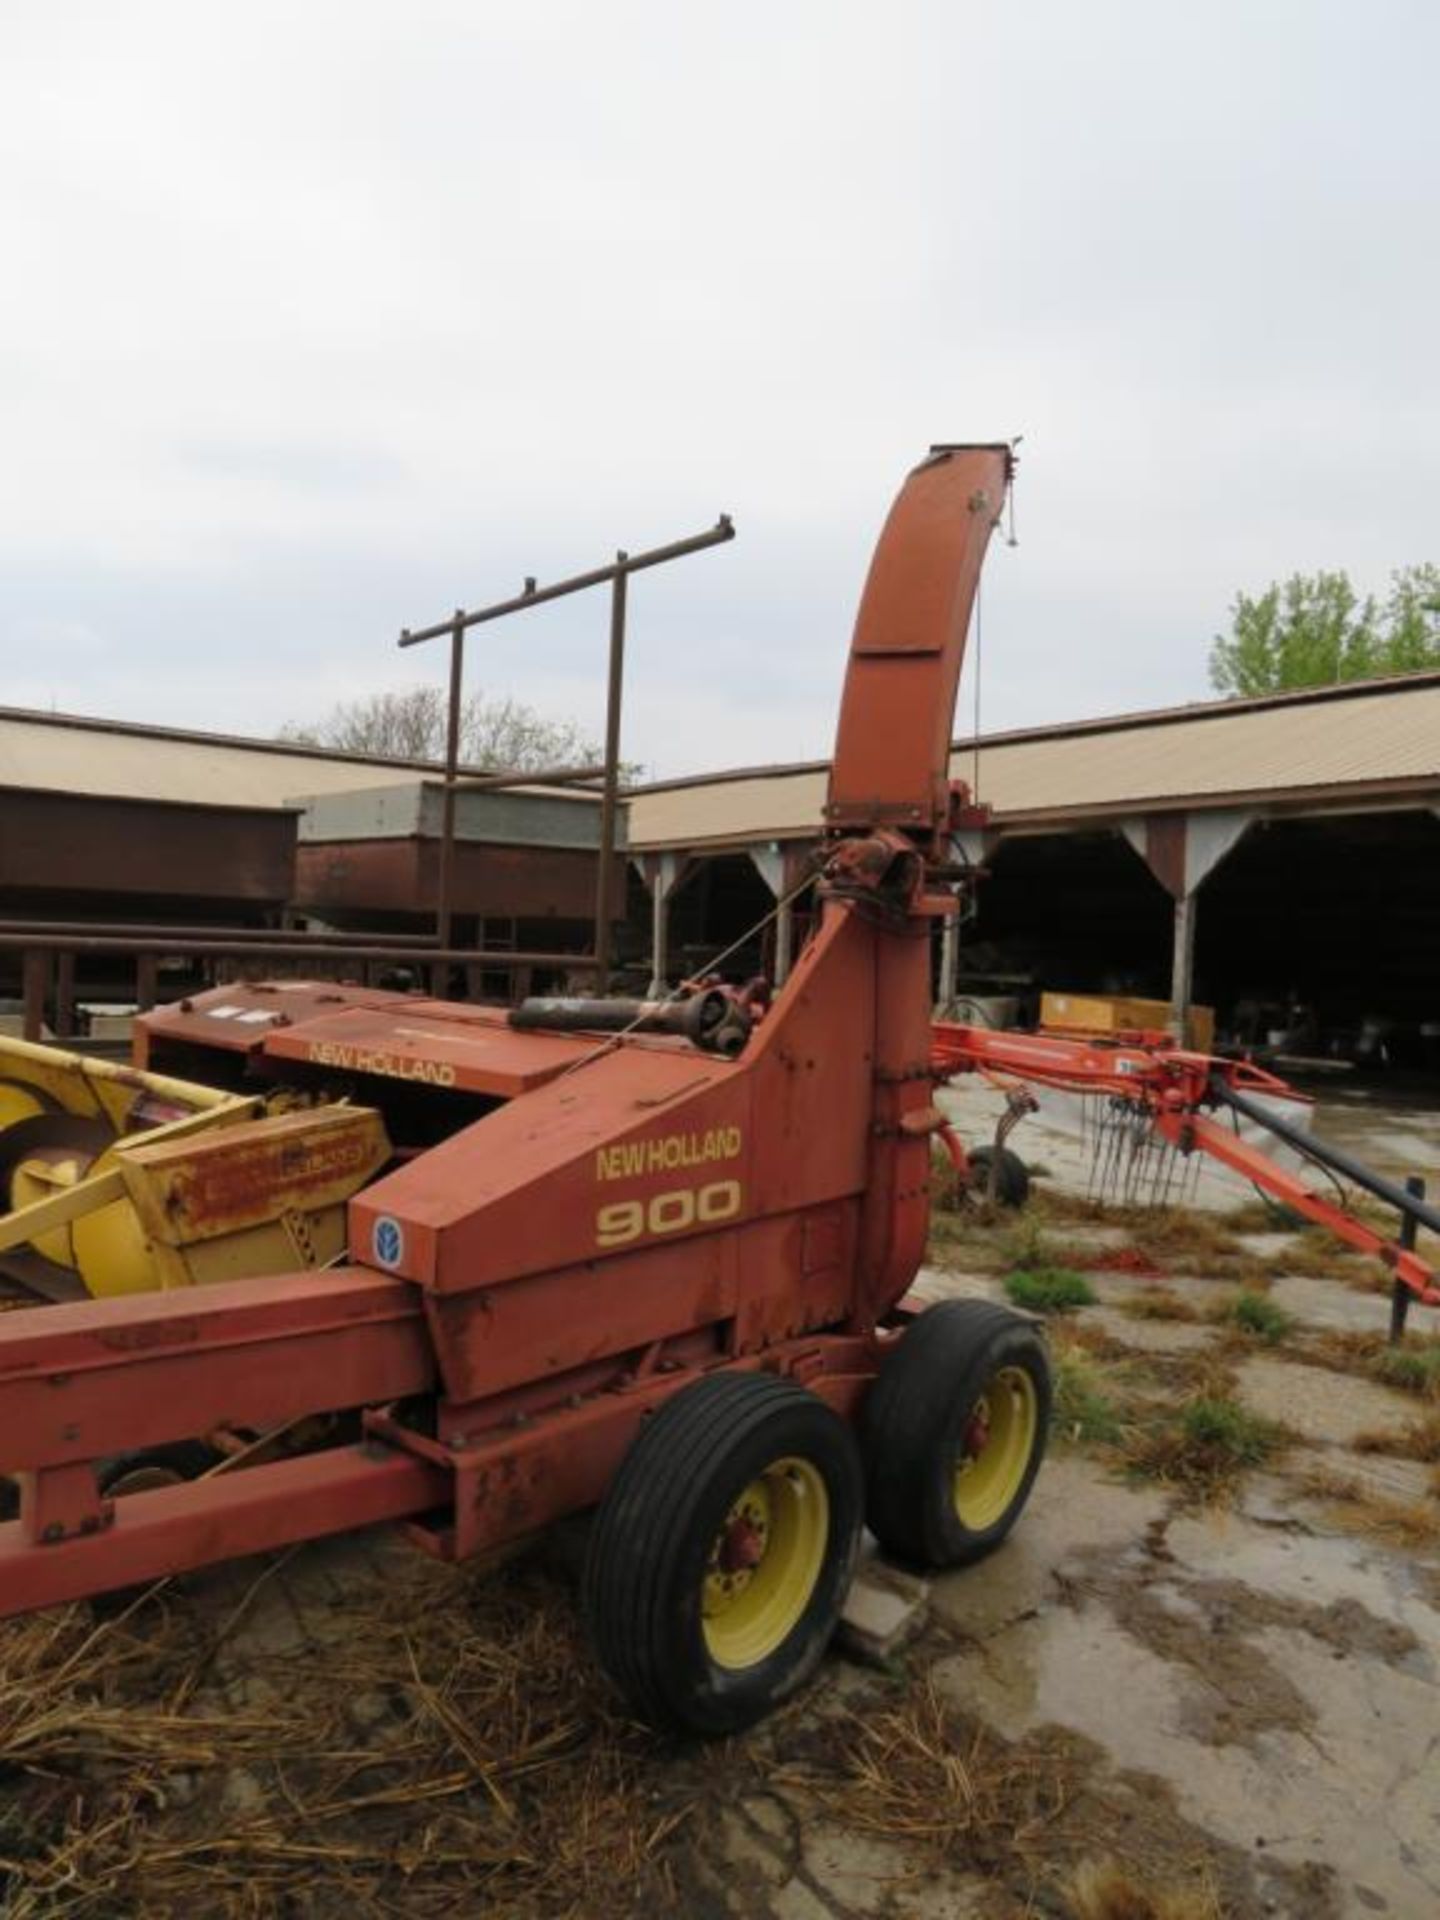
(667, 1614)
(1012, 1183)
(120, 1474)
(919, 1426)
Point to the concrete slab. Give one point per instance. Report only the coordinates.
(1265, 1246)
(1275, 1682)
(1332, 1409)
(1151, 1336)
(856, 1871)
(1114, 1289)
(1074, 1507)
(1329, 1304)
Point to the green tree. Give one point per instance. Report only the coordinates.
(1313, 630)
(1412, 619)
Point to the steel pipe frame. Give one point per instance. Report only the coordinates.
(37, 954)
(616, 574)
(41, 931)
(293, 949)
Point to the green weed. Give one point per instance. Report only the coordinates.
(1207, 1445)
(1256, 1313)
(1049, 1289)
(1083, 1411)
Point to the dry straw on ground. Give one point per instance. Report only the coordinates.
(1355, 1508)
(1105, 1890)
(912, 1771)
(447, 1749)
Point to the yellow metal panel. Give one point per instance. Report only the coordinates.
(53, 1208)
(1116, 1013)
(244, 1176)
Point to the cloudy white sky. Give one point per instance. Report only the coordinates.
(321, 317)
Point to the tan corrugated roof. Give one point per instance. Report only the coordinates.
(66, 754)
(1376, 740)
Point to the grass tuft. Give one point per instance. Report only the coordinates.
(1049, 1289)
(1158, 1303)
(1415, 1367)
(1418, 1440)
(1256, 1313)
(1025, 1245)
(1353, 1507)
(1084, 1412)
(1206, 1446)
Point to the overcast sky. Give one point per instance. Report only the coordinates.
(321, 318)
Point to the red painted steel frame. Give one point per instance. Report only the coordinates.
(1162, 1075)
(1173, 1084)
(1194, 1132)
(145, 1536)
(634, 1214)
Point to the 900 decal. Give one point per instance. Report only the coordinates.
(670, 1212)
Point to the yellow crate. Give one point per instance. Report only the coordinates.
(1119, 1013)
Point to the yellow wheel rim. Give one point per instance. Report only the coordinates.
(17, 1102)
(995, 1448)
(764, 1563)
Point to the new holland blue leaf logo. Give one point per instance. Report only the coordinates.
(388, 1241)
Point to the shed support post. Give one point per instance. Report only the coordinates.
(1182, 968)
(948, 984)
(659, 941)
(65, 996)
(662, 873)
(36, 988)
(781, 868)
(1182, 850)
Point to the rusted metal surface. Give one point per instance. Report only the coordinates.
(488, 879)
(110, 1376)
(476, 1055)
(60, 846)
(515, 1482)
(346, 1031)
(199, 1189)
(892, 747)
(494, 1339)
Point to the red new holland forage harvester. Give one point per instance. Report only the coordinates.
(657, 1272)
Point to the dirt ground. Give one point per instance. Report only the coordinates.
(1202, 1678)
